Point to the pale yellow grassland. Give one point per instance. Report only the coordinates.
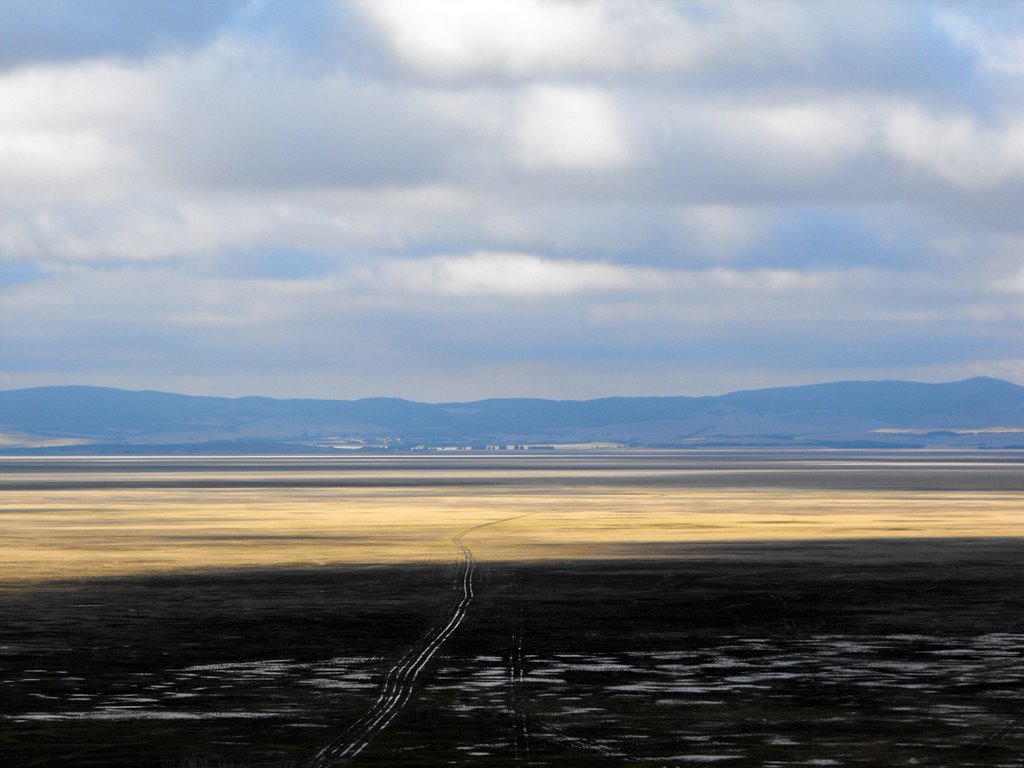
(69, 534)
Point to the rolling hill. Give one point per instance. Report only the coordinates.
(974, 412)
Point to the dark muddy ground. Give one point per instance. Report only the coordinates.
(864, 653)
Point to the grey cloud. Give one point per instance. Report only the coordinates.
(271, 135)
(294, 199)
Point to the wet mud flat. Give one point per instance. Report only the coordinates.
(865, 653)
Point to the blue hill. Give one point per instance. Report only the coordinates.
(849, 410)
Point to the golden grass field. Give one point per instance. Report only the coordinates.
(59, 534)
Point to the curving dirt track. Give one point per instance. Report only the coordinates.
(401, 678)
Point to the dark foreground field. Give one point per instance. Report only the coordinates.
(858, 653)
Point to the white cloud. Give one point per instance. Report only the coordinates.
(507, 274)
(720, 150)
(723, 230)
(824, 132)
(66, 129)
(1013, 283)
(571, 129)
(452, 39)
(769, 281)
(956, 148)
(458, 37)
(528, 275)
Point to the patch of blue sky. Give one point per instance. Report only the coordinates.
(19, 271)
(837, 238)
(62, 30)
(269, 262)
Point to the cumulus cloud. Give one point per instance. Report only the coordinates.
(571, 129)
(956, 148)
(508, 274)
(470, 37)
(528, 275)
(467, 39)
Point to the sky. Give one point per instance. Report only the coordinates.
(461, 199)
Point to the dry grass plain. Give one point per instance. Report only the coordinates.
(64, 534)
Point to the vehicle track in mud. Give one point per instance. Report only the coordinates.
(401, 678)
(516, 673)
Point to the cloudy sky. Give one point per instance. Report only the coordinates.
(462, 199)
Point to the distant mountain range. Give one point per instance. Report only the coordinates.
(978, 412)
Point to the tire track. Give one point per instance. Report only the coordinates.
(516, 673)
(783, 606)
(401, 678)
(579, 742)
